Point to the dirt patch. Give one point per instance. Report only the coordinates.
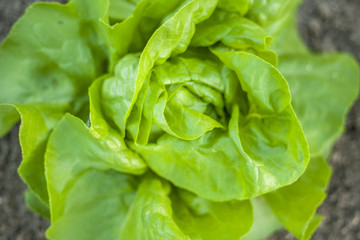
(326, 25)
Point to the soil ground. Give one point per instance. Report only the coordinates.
(326, 25)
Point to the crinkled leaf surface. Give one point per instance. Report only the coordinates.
(139, 25)
(102, 154)
(156, 89)
(239, 164)
(235, 32)
(90, 197)
(182, 31)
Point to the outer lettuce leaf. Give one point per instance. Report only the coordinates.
(306, 72)
(150, 216)
(295, 205)
(287, 39)
(89, 170)
(322, 126)
(101, 154)
(36, 124)
(89, 197)
(9, 116)
(91, 203)
(121, 212)
(272, 15)
(196, 217)
(58, 57)
(35, 204)
(204, 219)
(322, 115)
(37, 120)
(45, 70)
(265, 221)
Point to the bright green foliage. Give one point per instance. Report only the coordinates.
(158, 119)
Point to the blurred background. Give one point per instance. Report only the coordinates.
(325, 25)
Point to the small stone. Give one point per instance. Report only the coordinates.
(325, 10)
(315, 26)
(21, 236)
(328, 44)
(355, 221)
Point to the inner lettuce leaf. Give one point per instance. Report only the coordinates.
(183, 119)
(235, 166)
(131, 31)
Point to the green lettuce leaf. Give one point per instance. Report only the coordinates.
(35, 204)
(265, 221)
(149, 91)
(272, 15)
(322, 126)
(139, 25)
(110, 153)
(235, 32)
(37, 120)
(295, 205)
(305, 73)
(322, 114)
(204, 219)
(90, 197)
(237, 6)
(157, 119)
(195, 11)
(45, 70)
(56, 66)
(236, 168)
